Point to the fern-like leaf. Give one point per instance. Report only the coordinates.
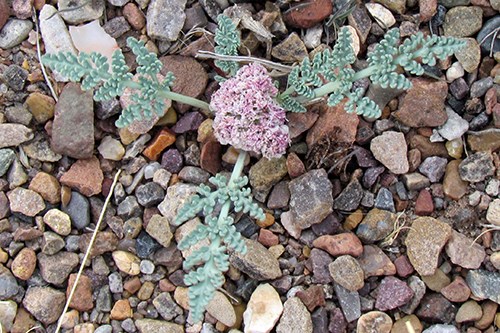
(227, 41)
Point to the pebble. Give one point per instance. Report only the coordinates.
(375, 262)
(310, 198)
(127, 262)
(56, 268)
(12, 135)
(76, 12)
(79, 210)
(392, 293)
(424, 242)
(258, 262)
(166, 306)
(469, 57)
(457, 291)
(441, 328)
(74, 107)
(403, 266)
(47, 186)
(159, 228)
(14, 32)
(115, 283)
(58, 221)
(24, 264)
(176, 197)
(434, 168)
(463, 252)
(25, 201)
(121, 310)
(111, 149)
(374, 321)
(493, 213)
(319, 261)
(463, 21)
(390, 150)
(312, 297)
(487, 28)
(221, 309)
(82, 298)
(165, 26)
(52, 243)
(134, 16)
(149, 194)
(376, 225)
(436, 308)
(151, 325)
(480, 87)
(129, 208)
(15, 77)
(291, 49)
(8, 284)
(36, 300)
(484, 284)
(476, 167)
(104, 242)
(385, 200)
(455, 71)
(41, 107)
(39, 149)
(347, 272)
(116, 27)
(7, 156)
(418, 287)
(424, 205)
(8, 310)
(349, 302)
(4, 13)
(453, 185)
(381, 15)
(264, 174)
(485, 140)
(489, 310)
(17, 113)
(350, 197)
(295, 318)
(469, 311)
(194, 175)
(312, 38)
(437, 281)
(308, 13)
(340, 244)
(454, 127)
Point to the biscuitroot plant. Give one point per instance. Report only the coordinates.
(249, 114)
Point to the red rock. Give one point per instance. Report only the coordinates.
(22, 8)
(268, 238)
(312, 297)
(163, 139)
(4, 12)
(375, 262)
(403, 266)
(166, 286)
(85, 176)
(340, 244)
(423, 104)
(294, 165)
(458, 291)
(24, 264)
(132, 285)
(210, 157)
(104, 242)
(298, 123)
(82, 298)
(424, 205)
(47, 186)
(134, 16)
(490, 100)
(307, 14)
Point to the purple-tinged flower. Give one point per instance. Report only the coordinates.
(247, 115)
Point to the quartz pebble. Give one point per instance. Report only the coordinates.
(263, 310)
(390, 150)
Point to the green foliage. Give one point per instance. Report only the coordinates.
(228, 41)
(213, 260)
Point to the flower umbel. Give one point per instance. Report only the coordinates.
(247, 115)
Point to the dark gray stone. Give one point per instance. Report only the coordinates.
(150, 194)
(487, 30)
(480, 87)
(349, 302)
(384, 200)
(8, 284)
(318, 262)
(15, 76)
(194, 175)
(79, 210)
(350, 198)
(166, 306)
(146, 245)
(476, 167)
(171, 160)
(484, 284)
(433, 167)
(7, 156)
(129, 208)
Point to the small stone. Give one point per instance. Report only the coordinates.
(401, 325)
(457, 291)
(258, 262)
(52, 243)
(37, 299)
(347, 272)
(376, 225)
(116, 27)
(25, 201)
(295, 318)
(149, 194)
(127, 262)
(121, 310)
(424, 205)
(436, 308)
(476, 167)
(134, 16)
(350, 198)
(7, 156)
(111, 149)
(85, 176)
(163, 139)
(176, 197)
(403, 266)
(166, 306)
(312, 297)
(41, 107)
(319, 261)
(375, 262)
(265, 174)
(381, 15)
(392, 293)
(434, 168)
(486, 30)
(221, 309)
(8, 310)
(74, 107)
(469, 56)
(14, 32)
(469, 311)
(159, 228)
(58, 221)
(195, 175)
(464, 252)
(24, 264)
(374, 321)
(341, 244)
(437, 281)
(291, 49)
(151, 325)
(455, 71)
(188, 122)
(424, 242)
(489, 310)
(484, 284)
(453, 185)
(441, 328)
(47, 186)
(419, 289)
(12, 135)
(165, 26)
(484, 140)
(307, 14)
(390, 149)
(349, 302)
(129, 208)
(4, 16)
(79, 210)
(493, 213)
(463, 21)
(82, 298)
(79, 11)
(56, 268)
(18, 114)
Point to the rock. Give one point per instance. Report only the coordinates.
(15, 77)
(428, 148)
(24, 264)
(41, 107)
(487, 30)
(165, 26)
(401, 325)
(263, 310)
(374, 321)
(258, 262)
(453, 185)
(346, 271)
(312, 297)
(134, 16)
(418, 287)
(149, 194)
(349, 302)
(493, 213)
(310, 198)
(484, 140)
(37, 299)
(111, 149)
(480, 87)
(58, 221)
(295, 318)
(376, 225)
(424, 204)
(428, 98)
(307, 14)
(104, 242)
(476, 167)
(265, 174)
(74, 107)
(463, 21)
(392, 293)
(350, 198)
(489, 310)
(375, 262)
(319, 261)
(8, 284)
(435, 308)
(166, 306)
(79, 11)
(464, 252)
(4, 15)
(25, 201)
(85, 176)
(14, 32)
(176, 197)
(39, 149)
(79, 210)
(341, 244)
(381, 15)
(56, 268)
(385, 200)
(12, 135)
(424, 242)
(469, 311)
(47, 186)
(127, 262)
(484, 284)
(454, 127)
(440, 328)
(221, 309)
(403, 266)
(7, 156)
(292, 49)
(390, 150)
(434, 168)
(8, 310)
(82, 298)
(52, 243)
(437, 281)
(121, 310)
(457, 291)
(151, 325)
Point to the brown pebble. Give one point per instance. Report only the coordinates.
(24, 264)
(268, 238)
(266, 222)
(121, 310)
(163, 139)
(337, 245)
(132, 285)
(134, 16)
(82, 298)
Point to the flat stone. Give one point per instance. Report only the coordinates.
(149, 194)
(433, 168)
(36, 300)
(295, 318)
(258, 262)
(74, 107)
(58, 221)
(14, 32)
(340, 244)
(127, 262)
(464, 252)
(152, 325)
(484, 284)
(134, 16)
(177, 195)
(41, 106)
(56, 268)
(25, 201)
(381, 15)
(4, 15)
(441, 328)
(457, 291)
(454, 127)
(434, 308)
(310, 198)
(291, 49)
(221, 309)
(39, 149)
(47, 186)
(469, 311)
(375, 262)
(76, 12)
(12, 135)
(463, 21)
(121, 310)
(476, 167)
(390, 149)
(312, 297)
(159, 228)
(166, 306)
(392, 293)
(376, 225)
(264, 174)
(319, 261)
(105, 241)
(374, 321)
(453, 185)
(85, 176)
(79, 210)
(350, 197)
(349, 302)
(52, 243)
(424, 242)
(263, 310)
(82, 298)
(436, 281)
(419, 289)
(489, 309)
(307, 14)
(427, 97)
(428, 148)
(347, 272)
(488, 139)
(487, 28)
(424, 204)
(165, 26)
(111, 149)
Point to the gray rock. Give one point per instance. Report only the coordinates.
(15, 76)
(104, 329)
(166, 306)
(151, 325)
(194, 175)
(433, 167)
(319, 261)
(74, 107)
(376, 225)
(258, 262)
(39, 149)
(115, 283)
(484, 284)
(80, 11)
(8, 310)
(385, 200)
(487, 30)
(7, 156)
(350, 198)
(16, 175)
(463, 21)
(418, 287)
(18, 113)
(129, 208)
(476, 167)
(295, 318)
(12, 135)
(52, 243)
(264, 174)
(117, 26)
(14, 32)
(177, 195)
(434, 308)
(103, 301)
(310, 198)
(37, 301)
(347, 272)
(55, 269)
(78, 210)
(149, 194)
(480, 87)
(349, 301)
(454, 127)
(165, 25)
(8, 284)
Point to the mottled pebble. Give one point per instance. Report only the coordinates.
(36, 300)
(374, 321)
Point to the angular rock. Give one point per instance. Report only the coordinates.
(47, 186)
(341, 244)
(159, 228)
(295, 318)
(8, 284)
(484, 284)
(127, 262)
(76, 12)
(434, 308)
(464, 252)
(82, 298)
(392, 293)
(469, 311)
(376, 225)
(453, 185)
(25, 201)
(319, 261)
(263, 309)
(85, 176)
(24, 264)
(221, 309)
(8, 310)
(177, 195)
(434, 168)
(375, 262)
(258, 262)
(105, 241)
(37, 299)
(486, 140)
(152, 325)
(349, 302)
(390, 149)
(264, 174)
(292, 49)
(12, 135)
(308, 13)
(78, 209)
(350, 198)
(463, 21)
(347, 272)
(165, 25)
(56, 268)
(476, 167)
(7, 156)
(458, 291)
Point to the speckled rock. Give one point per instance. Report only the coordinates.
(376, 225)
(493, 213)
(36, 300)
(441, 328)
(424, 242)
(25, 201)
(14, 32)
(476, 167)
(265, 174)
(47, 186)
(346, 271)
(463, 21)
(392, 293)
(24, 264)
(263, 310)
(291, 49)
(390, 150)
(152, 325)
(375, 262)
(176, 197)
(127, 262)
(8, 284)
(434, 308)
(340, 244)
(464, 252)
(454, 127)
(164, 25)
(469, 311)
(56, 268)
(374, 321)
(159, 228)
(258, 262)
(295, 318)
(221, 309)
(8, 309)
(58, 221)
(7, 156)
(350, 197)
(469, 56)
(12, 135)
(484, 284)
(79, 11)
(457, 291)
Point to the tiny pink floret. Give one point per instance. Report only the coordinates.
(247, 115)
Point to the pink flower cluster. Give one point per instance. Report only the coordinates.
(246, 114)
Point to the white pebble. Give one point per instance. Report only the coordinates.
(454, 72)
(382, 15)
